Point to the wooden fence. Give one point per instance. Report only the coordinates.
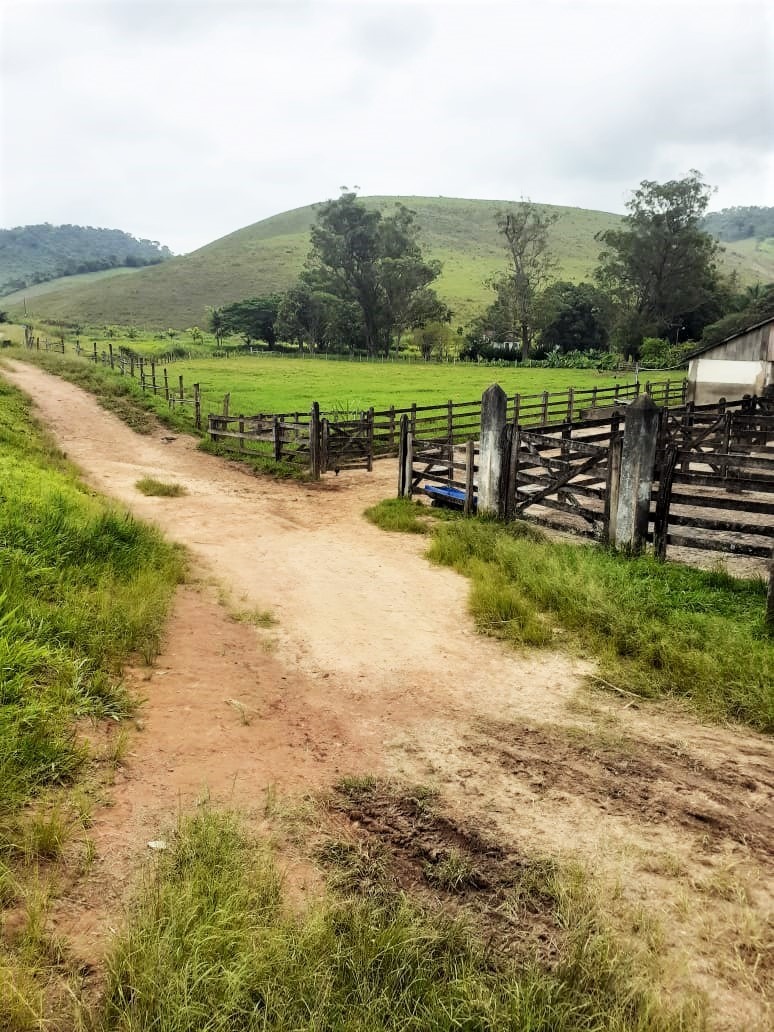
(692, 477)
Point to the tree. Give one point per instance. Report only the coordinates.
(573, 317)
(433, 340)
(525, 228)
(253, 318)
(660, 268)
(216, 324)
(374, 262)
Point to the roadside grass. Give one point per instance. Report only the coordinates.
(401, 515)
(158, 488)
(211, 943)
(655, 629)
(82, 587)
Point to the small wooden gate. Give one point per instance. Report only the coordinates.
(347, 443)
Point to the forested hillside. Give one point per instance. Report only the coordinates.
(34, 254)
(740, 223)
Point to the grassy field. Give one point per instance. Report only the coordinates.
(268, 256)
(271, 384)
(267, 383)
(657, 630)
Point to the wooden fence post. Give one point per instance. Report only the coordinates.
(494, 405)
(180, 387)
(314, 441)
(241, 431)
(277, 439)
(404, 467)
(663, 500)
(392, 426)
(197, 407)
(512, 486)
(142, 373)
(94, 354)
(611, 488)
(166, 385)
(470, 471)
(544, 415)
(324, 435)
(370, 438)
(226, 403)
(110, 352)
(638, 456)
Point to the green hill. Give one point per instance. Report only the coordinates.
(267, 256)
(34, 254)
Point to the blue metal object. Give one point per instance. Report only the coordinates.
(450, 497)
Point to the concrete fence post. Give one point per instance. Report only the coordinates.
(494, 415)
(635, 483)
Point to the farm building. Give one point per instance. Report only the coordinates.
(741, 364)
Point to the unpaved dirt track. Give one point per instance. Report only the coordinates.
(374, 666)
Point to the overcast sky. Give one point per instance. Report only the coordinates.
(182, 121)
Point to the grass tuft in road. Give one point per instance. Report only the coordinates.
(157, 488)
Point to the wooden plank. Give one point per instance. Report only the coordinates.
(714, 545)
(723, 501)
(724, 526)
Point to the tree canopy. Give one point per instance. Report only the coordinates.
(573, 317)
(363, 261)
(253, 319)
(660, 267)
(531, 266)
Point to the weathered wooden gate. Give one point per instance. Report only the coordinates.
(347, 443)
(551, 478)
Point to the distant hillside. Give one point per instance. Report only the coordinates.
(35, 254)
(267, 256)
(731, 224)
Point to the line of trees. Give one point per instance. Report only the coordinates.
(367, 283)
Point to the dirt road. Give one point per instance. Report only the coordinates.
(374, 666)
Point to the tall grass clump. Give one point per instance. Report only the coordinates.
(211, 945)
(82, 586)
(656, 628)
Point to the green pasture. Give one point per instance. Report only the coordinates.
(261, 383)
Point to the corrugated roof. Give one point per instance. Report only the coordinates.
(733, 336)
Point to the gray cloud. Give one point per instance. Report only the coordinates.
(185, 120)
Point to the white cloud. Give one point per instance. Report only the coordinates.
(183, 121)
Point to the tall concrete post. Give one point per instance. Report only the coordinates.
(494, 406)
(635, 482)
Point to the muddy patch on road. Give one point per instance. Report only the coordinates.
(648, 782)
(397, 836)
